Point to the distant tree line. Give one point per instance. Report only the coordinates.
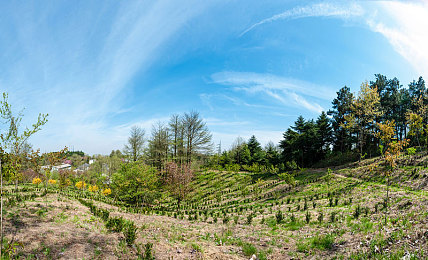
(348, 131)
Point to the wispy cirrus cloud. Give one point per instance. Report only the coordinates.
(79, 69)
(402, 23)
(314, 10)
(405, 29)
(287, 91)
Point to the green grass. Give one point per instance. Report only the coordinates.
(249, 249)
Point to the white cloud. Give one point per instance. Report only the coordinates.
(315, 10)
(403, 23)
(82, 80)
(406, 30)
(283, 90)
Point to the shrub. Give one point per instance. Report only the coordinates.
(279, 217)
(248, 249)
(322, 242)
(250, 218)
(130, 232)
(320, 217)
(357, 212)
(308, 217)
(115, 224)
(332, 217)
(148, 255)
(226, 219)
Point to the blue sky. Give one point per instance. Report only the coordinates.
(248, 67)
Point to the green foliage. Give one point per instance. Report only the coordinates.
(322, 242)
(279, 217)
(130, 232)
(136, 183)
(411, 151)
(249, 249)
(288, 178)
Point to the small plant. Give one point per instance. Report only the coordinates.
(292, 218)
(320, 217)
(248, 249)
(148, 254)
(106, 192)
(308, 217)
(37, 181)
(323, 242)
(236, 219)
(250, 218)
(80, 185)
(50, 181)
(226, 219)
(279, 217)
(357, 212)
(130, 232)
(93, 188)
(333, 217)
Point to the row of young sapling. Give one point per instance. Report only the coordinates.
(119, 224)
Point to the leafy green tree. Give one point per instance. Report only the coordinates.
(365, 110)
(136, 183)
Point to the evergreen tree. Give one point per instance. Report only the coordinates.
(342, 140)
(324, 135)
(256, 151)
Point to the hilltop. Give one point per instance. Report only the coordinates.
(336, 213)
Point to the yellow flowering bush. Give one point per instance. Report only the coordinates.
(80, 185)
(93, 188)
(106, 191)
(37, 181)
(50, 181)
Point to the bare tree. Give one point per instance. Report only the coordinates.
(197, 135)
(134, 147)
(159, 145)
(178, 179)
(176, 129)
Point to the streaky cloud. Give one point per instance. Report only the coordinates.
(314, 10)
(281, 89)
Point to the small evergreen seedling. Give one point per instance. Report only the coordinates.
(308, 217)
(292, 218)
(357, 211)
(250, 219)
(332, 217)
(320, 217)
(279, 217)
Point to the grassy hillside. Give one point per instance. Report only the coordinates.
(234, 215)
